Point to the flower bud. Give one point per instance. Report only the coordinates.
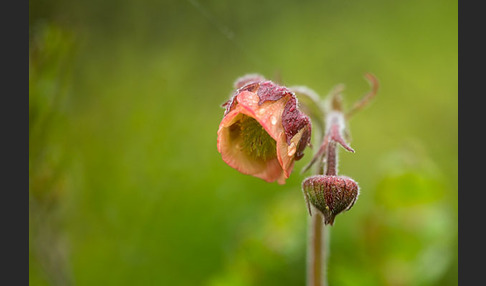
(331, 195)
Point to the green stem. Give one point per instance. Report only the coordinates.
(317, 244)
(316, 252)
(316, 266)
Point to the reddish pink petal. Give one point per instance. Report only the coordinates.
(286, 153)
(269, 170)
(268, 114)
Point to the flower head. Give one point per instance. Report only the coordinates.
(263, 132)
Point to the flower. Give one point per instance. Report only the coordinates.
(331, 195)
(262, 131)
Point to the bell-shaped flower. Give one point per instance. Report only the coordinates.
(263, 132)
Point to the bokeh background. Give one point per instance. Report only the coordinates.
(126, 184)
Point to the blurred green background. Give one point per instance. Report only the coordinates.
(127, 186)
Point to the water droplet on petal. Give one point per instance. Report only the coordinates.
(291, 150)
(274, 120)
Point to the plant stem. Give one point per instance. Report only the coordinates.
(316, 265)
(316, 248)
(317, 244)
(331, 159)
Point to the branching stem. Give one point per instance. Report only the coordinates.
(327, 162)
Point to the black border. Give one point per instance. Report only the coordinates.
(471, 126)
(15, 143)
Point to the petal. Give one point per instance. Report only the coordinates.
(286, 153)
(229, 147)
(268, 114)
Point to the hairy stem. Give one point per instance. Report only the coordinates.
(316, 265)
(316, 246)
(331, 159)
(317, 250)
